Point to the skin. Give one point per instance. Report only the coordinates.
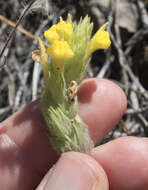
(26, 156)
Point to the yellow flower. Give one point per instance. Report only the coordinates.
(60, 31)
(51, 34)
(60, 51)
(64, 29)
(100, 40)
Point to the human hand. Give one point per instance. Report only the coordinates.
(25, 154)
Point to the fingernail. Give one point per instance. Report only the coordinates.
(86, 91)
(74, 171)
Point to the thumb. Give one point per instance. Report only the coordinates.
(75, 171)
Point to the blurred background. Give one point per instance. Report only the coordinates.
(125, 62)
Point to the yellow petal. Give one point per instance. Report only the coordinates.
(60, 31)
(60, 51)
(100, 40)
(64, 29)
(51, 34)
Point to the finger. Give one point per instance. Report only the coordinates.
(75, 171)
(125, 161)
(25, 153)
(101, 105)
(24, 133)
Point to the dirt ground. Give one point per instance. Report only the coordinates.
(126, 62)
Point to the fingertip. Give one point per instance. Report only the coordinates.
(125, 162)
(101, 105)
(76, 171)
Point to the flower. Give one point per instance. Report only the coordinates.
(51, 34)
(62, 31)
(100, 40)
(58, 35)
(60, 51)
